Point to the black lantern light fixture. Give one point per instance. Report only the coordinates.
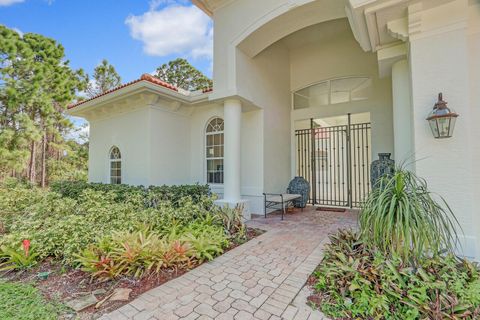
(442, 119)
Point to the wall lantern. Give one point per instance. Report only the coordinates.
(442, 119)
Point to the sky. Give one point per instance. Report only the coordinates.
(136, 36)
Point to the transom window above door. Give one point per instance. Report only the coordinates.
(333, 91)
(214, 150)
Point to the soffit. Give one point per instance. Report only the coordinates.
(209, 6)
(378, 13)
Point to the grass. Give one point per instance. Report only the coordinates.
(24, 302)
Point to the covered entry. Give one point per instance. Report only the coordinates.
(334, 155)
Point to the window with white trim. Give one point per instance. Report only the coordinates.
(214, 151)
(333, 91)
(115, 166)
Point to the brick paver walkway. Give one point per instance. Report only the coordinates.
(262, 279)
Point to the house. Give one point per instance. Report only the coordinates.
(307, 87)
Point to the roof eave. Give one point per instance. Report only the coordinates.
(202, 6)
(138, 87)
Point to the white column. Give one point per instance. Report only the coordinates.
(402, 114)
(232, 132)
(439, 62)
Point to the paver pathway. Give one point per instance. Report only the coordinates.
(261, 279)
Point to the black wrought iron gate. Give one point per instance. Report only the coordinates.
(336, 162)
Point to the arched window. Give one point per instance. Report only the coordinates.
(115, 166)
(214, 151)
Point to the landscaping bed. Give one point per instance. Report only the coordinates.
(402, 264)
(353, 282)
(66, 284)
(85, 242)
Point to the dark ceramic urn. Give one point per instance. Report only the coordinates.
(299, 186)
(380, 167)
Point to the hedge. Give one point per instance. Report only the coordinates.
(152, 194)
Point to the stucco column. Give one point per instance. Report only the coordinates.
(402, 114)
(439, 62)
(232, 132)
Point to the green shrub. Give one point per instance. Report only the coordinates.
(61, 227)
(401, 216)
(151, 196)
(355, 282)
(24, 302)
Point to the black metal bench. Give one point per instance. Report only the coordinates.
(274, 199)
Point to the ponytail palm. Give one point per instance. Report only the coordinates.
(401, 216)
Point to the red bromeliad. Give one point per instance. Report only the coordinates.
(26, 246)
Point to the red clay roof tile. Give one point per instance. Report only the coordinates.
(144, 77)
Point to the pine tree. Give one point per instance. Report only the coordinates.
(37, 84)
(105, 78)
(182, 74)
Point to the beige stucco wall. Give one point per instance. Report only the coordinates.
(154, 143)
(439, 60)
(159, 147)
(236, 22)
(473, 39)
(130, 133)
(251, 151)
(169, 147)
(266, 82)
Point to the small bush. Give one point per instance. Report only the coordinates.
(355, 282)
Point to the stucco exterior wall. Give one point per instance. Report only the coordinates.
(343, 57)
(447, 164)
(169, 147)
(130, 132)
(236, 21)
(266, 82)
(251, 151)
(473, 39)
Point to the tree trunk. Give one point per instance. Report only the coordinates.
(44, 157)
(32, 163)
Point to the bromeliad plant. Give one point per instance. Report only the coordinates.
(145, 252)
(401, 216)
(232, 221)
(355, 282)
(21, 258)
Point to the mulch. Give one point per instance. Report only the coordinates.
(64, 283)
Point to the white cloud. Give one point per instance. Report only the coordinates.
(174, 29)
(155, 4)
(4, 3)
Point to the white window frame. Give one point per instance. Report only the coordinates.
(207, 158)
(367, 81)
(118, 178)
